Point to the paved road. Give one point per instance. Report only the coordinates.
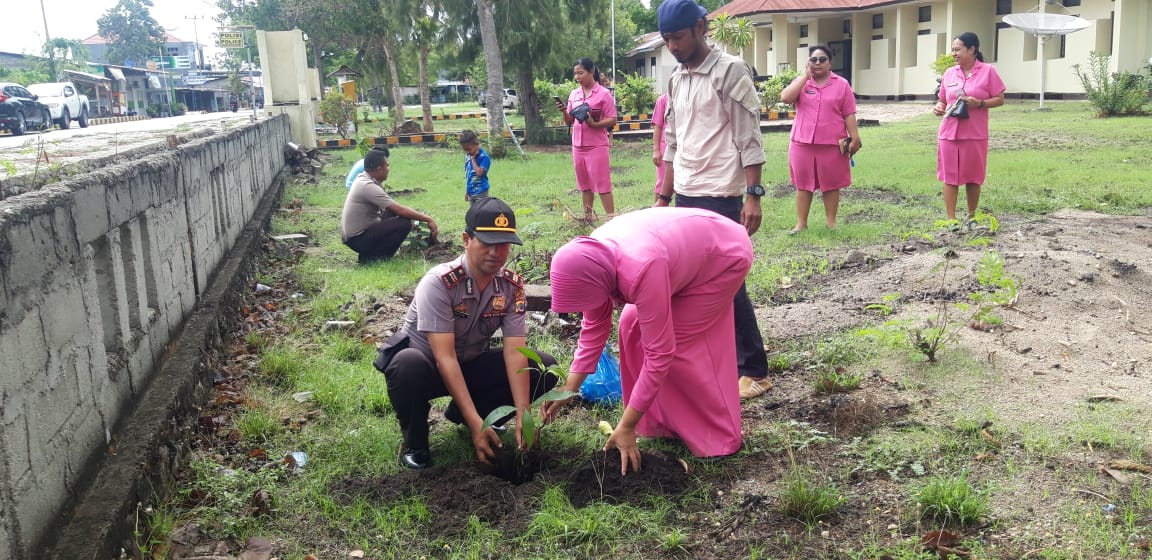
(65, 146)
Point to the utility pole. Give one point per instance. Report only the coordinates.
(199, 52)
(47, 37)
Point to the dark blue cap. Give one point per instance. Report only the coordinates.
(674, 15)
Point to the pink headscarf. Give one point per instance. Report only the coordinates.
(583, 276)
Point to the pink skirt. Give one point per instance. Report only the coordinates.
(961, 162)
(818, 167)
(593, 168)
(699, 402)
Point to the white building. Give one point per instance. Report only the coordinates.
(886, 47)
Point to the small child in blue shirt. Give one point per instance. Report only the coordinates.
(476, 166)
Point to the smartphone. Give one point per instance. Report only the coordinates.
(556, 98)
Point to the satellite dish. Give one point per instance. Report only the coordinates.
(1046, 24)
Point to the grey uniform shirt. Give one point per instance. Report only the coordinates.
(367, 203)
(713, 126)
(447, 301)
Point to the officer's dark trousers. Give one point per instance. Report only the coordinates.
(381, 240)
(751, 361)
(413, 380)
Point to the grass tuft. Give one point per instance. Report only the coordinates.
(807, 499)
(952, 500)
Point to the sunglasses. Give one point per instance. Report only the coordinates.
(818, 59)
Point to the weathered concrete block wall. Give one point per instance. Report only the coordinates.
(97, 275)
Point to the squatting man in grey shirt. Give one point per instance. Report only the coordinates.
(442, 349)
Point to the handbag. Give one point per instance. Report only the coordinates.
(389, 349)
(959, 109)
(581, 111)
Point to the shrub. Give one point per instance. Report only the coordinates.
(771, 88)
(337, 111)
(1112, 93)
(179, 109)
(636, 94)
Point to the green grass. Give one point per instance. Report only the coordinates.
(805, 497)
(952, 499)
(1039, 162)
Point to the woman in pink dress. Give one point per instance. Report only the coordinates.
(962, 145)
(659, 114)
(676, 271)
(825, 117)
(590, 140)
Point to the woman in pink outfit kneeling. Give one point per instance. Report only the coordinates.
(676, 271)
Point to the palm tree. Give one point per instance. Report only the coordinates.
(495, 78)
(732, 32)
(426, 32)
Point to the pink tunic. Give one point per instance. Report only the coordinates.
(603, 106)
(677, 269)
(659, 117)
(962, 149)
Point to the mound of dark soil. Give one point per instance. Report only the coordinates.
(599, 479)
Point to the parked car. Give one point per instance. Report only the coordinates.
(64, 101)
(20, 111)
(511, 100)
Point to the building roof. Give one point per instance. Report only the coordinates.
(645, 43)
(96, 39)
(343, 70)
(743, 8)
(78, 76)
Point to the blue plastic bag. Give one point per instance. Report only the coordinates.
(604, 386)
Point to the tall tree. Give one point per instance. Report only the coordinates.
(536, 38)
(132, 34)
(427, 31)
(64, 50)
(495, 64)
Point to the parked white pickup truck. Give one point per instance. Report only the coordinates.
(64, 101)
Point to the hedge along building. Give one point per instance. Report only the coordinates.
(886, 47)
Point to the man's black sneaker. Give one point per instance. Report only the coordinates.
(416, 459)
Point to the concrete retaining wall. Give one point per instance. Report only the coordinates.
(97, 277)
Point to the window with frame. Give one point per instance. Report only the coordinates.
(1068, 3)
(877, 21)
(847, 26)
(924, 14)
(804, 30)
(1003, 7)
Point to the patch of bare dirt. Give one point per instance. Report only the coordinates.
(1082, 324)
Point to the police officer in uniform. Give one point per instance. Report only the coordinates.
(442, 350)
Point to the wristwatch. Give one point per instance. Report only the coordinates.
(664, 197)
(754, 190)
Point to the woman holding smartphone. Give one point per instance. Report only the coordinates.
(591, 112)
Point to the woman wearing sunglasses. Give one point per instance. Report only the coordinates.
(824, 136)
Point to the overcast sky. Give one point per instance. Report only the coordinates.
(76, 19)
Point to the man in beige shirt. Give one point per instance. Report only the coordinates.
(715, 153)
(372, 223)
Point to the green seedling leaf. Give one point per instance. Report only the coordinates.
(530, 430)
(497, 414)
(554, 395)
(531, 354)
